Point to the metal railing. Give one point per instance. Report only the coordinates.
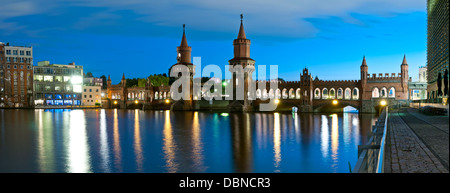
(371, 156)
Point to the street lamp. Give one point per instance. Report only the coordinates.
(277, 101)
(167, 101)
(136, 101)
(383, 103)
(335, 102)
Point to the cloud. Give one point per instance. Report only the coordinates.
(289, 19)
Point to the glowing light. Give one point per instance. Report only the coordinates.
(335, 102)
(277, 101)
(77, 80)
(136, 101)
(115, 102)
(224, 114)
(383, 103)
(167, 101)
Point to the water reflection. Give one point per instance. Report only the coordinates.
(170, 141)
(77, 150)
(169, 145)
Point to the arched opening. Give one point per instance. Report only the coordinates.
(291, 93)
(383, 92)
(264, 94)
(297, 93)
(278, 93)
(355, 94)
(347, 94)
(340, 92)
(317, 93)
(375, 93)
(350, 109)
(271, 94)
(258, 93)
(156, 95)
(284, 93)
(391, 93)
(332, 94)
(324, 93)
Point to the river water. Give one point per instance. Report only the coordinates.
(132, 141)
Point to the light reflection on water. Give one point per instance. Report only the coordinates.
(165, 141)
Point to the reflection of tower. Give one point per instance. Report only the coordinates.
(241, 59)
(183, 61)
(241, 142)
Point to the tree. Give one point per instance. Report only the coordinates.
(105, 84)
(89, 74)
(141, 82)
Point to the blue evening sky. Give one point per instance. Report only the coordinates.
(139, 37)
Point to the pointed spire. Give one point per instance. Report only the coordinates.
(109, 78)
(123, 76)
(404, 60)
(241, 30)
(183, 39)
(364, 61)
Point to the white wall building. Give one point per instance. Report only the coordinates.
(91, 95)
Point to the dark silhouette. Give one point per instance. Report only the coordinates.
(446, 82)
(439, 85)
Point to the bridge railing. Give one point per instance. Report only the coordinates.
(371, 156)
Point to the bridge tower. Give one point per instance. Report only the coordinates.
(306, 89)
(364, 73)
(241, 59)
(404, 73)
(184, 59)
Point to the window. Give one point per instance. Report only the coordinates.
(14, 52)
(339, 93)
(355, 95)
(84, 90)
(22, 52)
(21, 60)
(375, 93)
(325, 93)
(391, 92)
(28, 53)
(85, 96)
(90, 96)
(383, 92)
(347, 93)
(317, 93)
(48, 78)
(8, 52)
(90, 90)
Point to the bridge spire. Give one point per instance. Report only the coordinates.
(404, 60)
(364, 61)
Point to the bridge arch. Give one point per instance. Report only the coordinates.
(284, 94)
(317, 93)
(324, 93)
(291, 94)
(278, 93)
(347, 94)
(332, 93)
(340, 92)
(297, 93)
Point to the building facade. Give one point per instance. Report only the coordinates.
(437, 44)
(57, 84)
(16, 73)
(91, 96)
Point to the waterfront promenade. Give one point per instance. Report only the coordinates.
(416, 143)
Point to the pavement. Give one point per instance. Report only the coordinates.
(416, 143)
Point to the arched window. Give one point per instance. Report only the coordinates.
(165, 95)
(156, 95)
(340, 93)
(355, 94)
(297, 93)
(291, 93)
(383, 92)
(258, 93)
(332, 94)
(271, 94)
(284, 93)
(375, 93)
(317, 93)
(347, 94)
(264, 94)
(391, 92)
(324, 93)
(278, 93)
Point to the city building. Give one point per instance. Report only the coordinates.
(16, 86)
(91, 96)
(57, 84)
(418, 89)
(437, 45)
(93, 81)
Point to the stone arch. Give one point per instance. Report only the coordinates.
(324, 93)
(317, 93)
(264, 94)
(297, 93)
(355, 93)
(375, 92)
(291, 94)
(284, 93)
(332, 93)
(347, 93)
(258, 93)
(156, 95)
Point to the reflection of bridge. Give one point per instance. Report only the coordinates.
(308, 94)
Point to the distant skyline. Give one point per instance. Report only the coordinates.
(139, 37)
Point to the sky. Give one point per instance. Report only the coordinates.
(139, 37)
